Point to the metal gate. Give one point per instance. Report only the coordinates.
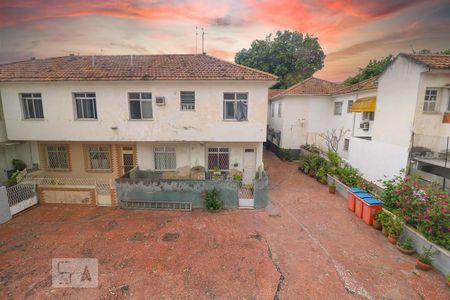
(246, 195)
(21, 196)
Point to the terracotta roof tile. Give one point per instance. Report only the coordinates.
(434, 61)
(368, 84)
(274, 92)
(127, 67)
(313, 86)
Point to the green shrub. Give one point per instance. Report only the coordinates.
(237, 177)
(427, 256)
(349, 176)
(212, 201)
(406, 243)
(396, 226)
(19, 164)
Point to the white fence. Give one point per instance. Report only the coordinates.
(21, 196)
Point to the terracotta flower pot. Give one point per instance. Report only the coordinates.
(423, 266)
(384, 231)
(332, 189)
(377, 225)
(393, 239)
(405, 251)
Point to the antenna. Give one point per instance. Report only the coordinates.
(196, 37)
(203, 41)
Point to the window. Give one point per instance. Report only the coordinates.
(85, 105)
(218, 158)
(98, 157)
(337, 108)
(349, 106)
(140, 106)
(272, 109)
(235, 106)
(368, 116)
(32, 106)
(57, 157)
(346, 144)
(430, 100)
(448, 102)
(165, 158)
(187, 100)
(279, 110)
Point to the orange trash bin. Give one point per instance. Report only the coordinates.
(352, 197)
(359, 203)
(370, 208)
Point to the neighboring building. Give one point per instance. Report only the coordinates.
(303, 112)
(411, 114)
(97, 117)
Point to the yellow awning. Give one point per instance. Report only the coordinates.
(366, 104)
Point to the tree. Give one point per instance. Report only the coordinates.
(373, 68)
(292, 56)
(333, 137)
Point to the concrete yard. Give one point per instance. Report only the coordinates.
(305, 245)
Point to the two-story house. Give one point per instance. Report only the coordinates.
(411, 120)
(96, 117)
(302, 113)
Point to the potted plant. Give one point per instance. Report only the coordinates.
(425, 259)
(332, 188)
(237, 177)
(377, 220)
(395, 230)
(406, 246)
(448, 279)
(386, 221)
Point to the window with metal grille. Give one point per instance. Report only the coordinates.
(85, 105)
(235, 106)
(99, 157)
(187, 100)
(279, 110)
(165, 158)
(346, 144)
(430, 100)
(57, 157)
(349, 106)
(337, 108)
(218, 158)
(140, 106)
(32, 105)
(368, 116)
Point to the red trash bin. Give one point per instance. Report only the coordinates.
(352, 197)
(370, 208)
(359, 203)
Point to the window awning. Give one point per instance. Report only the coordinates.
(366, 104)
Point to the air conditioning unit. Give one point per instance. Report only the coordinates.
(364, 126)
(160, 100)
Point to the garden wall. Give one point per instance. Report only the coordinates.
(140, 190)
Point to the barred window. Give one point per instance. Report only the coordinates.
(165, 158)
(349, 106)
(218, 158)
(346, 144)
(337, 108)
(187, 100)
(85, 104)
(32, 106)
(140, 106)
(279, 110)
(235, 106)
(430, 100)
(57, 157)
(99, 157)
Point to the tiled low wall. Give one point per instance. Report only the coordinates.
(141, 190)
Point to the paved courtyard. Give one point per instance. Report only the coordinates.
(305, 245)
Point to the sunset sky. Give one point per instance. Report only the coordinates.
(350, 32)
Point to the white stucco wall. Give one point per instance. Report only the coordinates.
(398, 89)
(427, 123)
(377, 160)
(195, 154)
(169, 122)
